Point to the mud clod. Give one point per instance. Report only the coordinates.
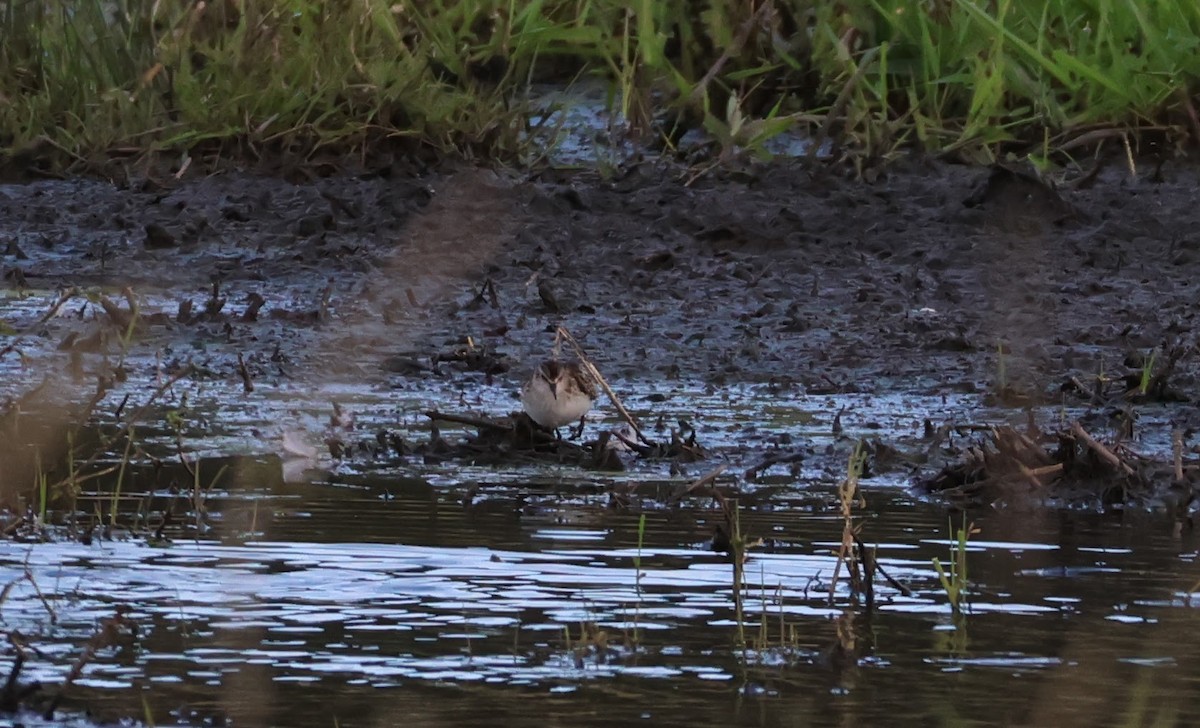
(159, 238)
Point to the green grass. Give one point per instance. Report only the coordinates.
(85, 83)
(954, 578)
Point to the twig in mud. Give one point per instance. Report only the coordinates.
(867, 583)
(837, 421)
(1084, 390)
(212, 307)
(643, 450)
(326, 294)
(880, 570)
(485, 295)
(755, 470)
(247, 384)
(50, 313)
(121, 407)
(1019, 447)
(1129, 160)
(477, 422)
(707, 479)
(595, 373)
(121, 319)
(1033, 475)
(1100, 449)
(10, 699)
(38, 590)
(254, 302)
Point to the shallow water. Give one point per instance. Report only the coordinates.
(582, 126)
(366, 597)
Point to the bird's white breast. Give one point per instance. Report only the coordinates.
(547, 410)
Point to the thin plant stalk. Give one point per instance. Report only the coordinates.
(116, 497)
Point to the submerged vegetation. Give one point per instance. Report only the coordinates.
(84, 84)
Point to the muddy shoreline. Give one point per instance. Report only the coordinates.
(935, 280)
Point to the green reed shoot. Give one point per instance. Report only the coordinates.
(147, 712)
(1147, 373)
(955, 582)
(637, 579)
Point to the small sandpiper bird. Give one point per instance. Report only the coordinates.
(558, 394)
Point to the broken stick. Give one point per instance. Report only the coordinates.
(1100, 449)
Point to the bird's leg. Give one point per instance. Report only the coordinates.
(577, 432)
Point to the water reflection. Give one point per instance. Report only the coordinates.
(357, 608)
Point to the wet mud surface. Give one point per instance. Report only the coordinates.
(936, 282)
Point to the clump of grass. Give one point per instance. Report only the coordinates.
(1147, 373)
(289, 78)
(980, 75)
(954, 580)
(592, 643)
(82, 83)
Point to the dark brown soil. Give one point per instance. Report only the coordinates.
(929, 280)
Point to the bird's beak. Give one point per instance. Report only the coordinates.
(554, 389)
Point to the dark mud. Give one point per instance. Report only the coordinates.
(934, 280)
